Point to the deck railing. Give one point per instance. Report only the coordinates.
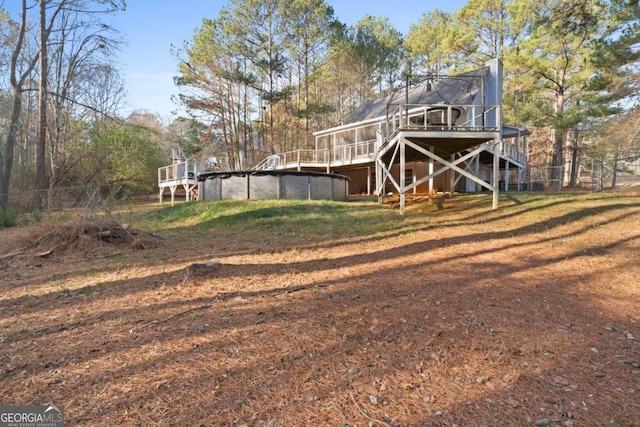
(478, 118)
(177, 173)
(512, 152)
(356, 143)
(359, 152)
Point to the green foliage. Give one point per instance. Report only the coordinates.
(187, 134)
(8, 217)
(121, 157)
(379, 46)
(293, 65)
(36, 215)
(426, 42)
(133, 157)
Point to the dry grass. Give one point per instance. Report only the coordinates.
(452, 315)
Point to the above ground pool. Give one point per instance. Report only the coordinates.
(273, 184)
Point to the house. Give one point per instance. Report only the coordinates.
(445, 135)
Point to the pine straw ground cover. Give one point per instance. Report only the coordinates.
(306, 313)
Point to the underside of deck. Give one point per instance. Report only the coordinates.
(443, 144)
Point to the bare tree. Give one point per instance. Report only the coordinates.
(77, 36)
(20, 68)
(81, 79)
(42, 105)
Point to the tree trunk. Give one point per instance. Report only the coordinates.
(574, 159)
(559, 131)
(6, 158)
(42, 113)
(558, 156)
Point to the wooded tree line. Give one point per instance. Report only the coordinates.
(264, 74)
(60, 99)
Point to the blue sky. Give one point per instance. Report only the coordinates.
(151, 27)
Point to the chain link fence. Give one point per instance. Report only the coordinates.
(591, 176)
(544, 178)
(90, 197)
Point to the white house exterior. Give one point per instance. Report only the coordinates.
(445, 135)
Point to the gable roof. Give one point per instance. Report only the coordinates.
(459, 89)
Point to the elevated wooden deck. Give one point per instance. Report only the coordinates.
(447, 129)
(181, 176)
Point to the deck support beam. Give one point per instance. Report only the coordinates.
(399, 145)
(403, 177)
(478, 186)
(496, 173)
(431, 173)
(452, 178)
(449, 165)
(506, 176)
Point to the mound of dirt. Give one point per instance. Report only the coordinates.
(78, 235)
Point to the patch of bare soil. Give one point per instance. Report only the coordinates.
(527, 315)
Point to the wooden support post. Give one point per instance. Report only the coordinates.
(520, 170)
(452, 181)
(506, 176)
(446, 165)
(414, 179)
(478, 186)
(329, 160)
(496, 173)
(402, 175)
(379, 143)
(431, 173)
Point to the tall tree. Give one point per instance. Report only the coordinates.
(20, 68)
(339, 86)
(308, 27)
(486, 28)
(80, 78)
(556, 53)
(617, 60)
(258, 35)
(217, 86)
(426, 43)
(44, 31)
(51, 34)
(379, 46)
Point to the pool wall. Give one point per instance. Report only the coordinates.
(274, 184)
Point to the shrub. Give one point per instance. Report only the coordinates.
(7, 217)
(36, 215)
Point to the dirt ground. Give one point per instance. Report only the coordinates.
(456, 316)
